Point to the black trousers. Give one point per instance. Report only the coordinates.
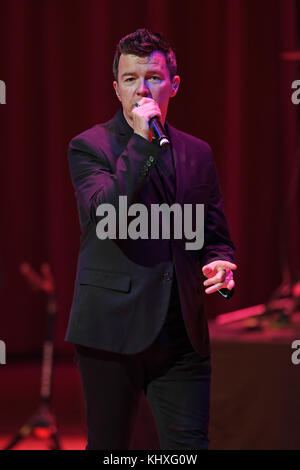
(174, 378)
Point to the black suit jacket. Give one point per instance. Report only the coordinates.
(123, 287)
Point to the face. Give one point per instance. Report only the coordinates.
(147, 77)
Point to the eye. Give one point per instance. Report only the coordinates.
(129, 79)
(154, 77)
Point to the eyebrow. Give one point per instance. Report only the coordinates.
(126, 74)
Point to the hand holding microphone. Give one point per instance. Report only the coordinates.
(146, 118)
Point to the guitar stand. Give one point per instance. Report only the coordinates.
(42, 424)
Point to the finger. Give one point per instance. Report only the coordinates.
(229, 275)
(153, 109)
(219, 263)
(221, 285)
(219, 277)
(148, 111)
(228, 281)
(146, 102)
(227, 264)
(143, 101)
(208, 271)
(214, 288)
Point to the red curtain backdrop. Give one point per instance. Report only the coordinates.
(56, 61)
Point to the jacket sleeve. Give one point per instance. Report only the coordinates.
(95, 181)
(217, 241)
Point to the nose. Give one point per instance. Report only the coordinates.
(143, 89)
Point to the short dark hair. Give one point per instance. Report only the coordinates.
(142, 43)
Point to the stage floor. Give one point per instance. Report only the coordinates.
(254, 396)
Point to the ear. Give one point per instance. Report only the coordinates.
(116, 88)
(175, 85)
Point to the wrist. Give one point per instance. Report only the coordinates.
(145, 133)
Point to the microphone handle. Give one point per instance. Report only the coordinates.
(159, 132)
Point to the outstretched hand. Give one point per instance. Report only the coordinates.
(219, 274)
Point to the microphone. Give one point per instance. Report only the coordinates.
(158, 130)
(226, 293)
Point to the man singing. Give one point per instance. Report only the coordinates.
(137, 317)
